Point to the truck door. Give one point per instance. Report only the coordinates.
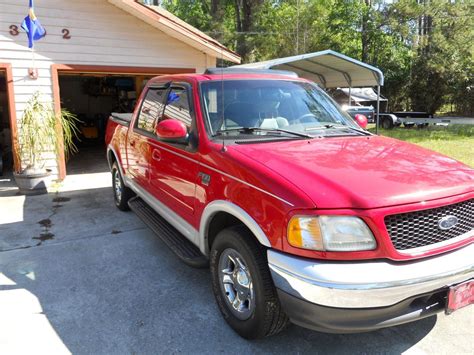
(138, 145)
(174, 167)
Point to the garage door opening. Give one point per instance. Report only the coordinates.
(92, 97)
(6, 146)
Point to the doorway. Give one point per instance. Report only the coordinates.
(6, 144)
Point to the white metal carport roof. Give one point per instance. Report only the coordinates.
(328, 68)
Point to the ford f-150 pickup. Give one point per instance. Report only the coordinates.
(301, 214)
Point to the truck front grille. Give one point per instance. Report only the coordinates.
(421, 228)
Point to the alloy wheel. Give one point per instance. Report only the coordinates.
(236, 284)
(117, 186)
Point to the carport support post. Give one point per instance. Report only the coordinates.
(378, 110)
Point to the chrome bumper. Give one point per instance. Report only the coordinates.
(368, 284)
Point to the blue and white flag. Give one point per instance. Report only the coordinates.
(33, 27)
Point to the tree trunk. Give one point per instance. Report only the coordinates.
(217, 13)
(244, 16)
(365, 36)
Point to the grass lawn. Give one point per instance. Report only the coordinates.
(455, 141)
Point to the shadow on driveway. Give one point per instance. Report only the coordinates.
(127, 293)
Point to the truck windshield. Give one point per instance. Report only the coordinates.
(266, 107)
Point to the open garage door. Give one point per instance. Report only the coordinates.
(92, 98)
(92, 93)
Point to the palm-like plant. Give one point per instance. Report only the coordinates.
(41, 129)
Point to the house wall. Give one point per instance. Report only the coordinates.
(101, 34)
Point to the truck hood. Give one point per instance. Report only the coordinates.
(362, 172)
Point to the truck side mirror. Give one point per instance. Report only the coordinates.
(361, 120)
(173, 131)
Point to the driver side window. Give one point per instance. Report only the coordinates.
(177, 107)
(151, 109)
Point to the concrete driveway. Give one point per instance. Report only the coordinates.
(79, 276)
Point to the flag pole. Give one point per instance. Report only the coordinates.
(33, 72)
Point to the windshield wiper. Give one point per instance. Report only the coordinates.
(329, 126)
(260, 129)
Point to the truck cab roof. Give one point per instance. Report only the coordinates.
(232, 73)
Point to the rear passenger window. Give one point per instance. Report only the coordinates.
(177, 107)
(151, 109)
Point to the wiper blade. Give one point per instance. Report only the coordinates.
(260, 129)
(367, 133)
(329, 126)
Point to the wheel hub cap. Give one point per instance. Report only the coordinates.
(236, 284)
(242, 278)
(117, 186)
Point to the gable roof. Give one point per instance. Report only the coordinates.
(174, 27)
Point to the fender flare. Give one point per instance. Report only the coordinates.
(111, 150)
(225, 206)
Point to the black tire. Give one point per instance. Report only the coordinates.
(267, 317)
(121, 201)
(387, 123)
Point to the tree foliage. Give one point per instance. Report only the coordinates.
(424, 47)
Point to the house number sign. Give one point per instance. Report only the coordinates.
(15, 31)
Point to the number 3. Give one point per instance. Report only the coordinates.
(14, 30)
(66, 33)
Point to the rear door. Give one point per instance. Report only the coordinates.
(138, 143)
(174, 167)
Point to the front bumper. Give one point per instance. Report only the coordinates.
(366, 295)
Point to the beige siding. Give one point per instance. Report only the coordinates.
(101, 34)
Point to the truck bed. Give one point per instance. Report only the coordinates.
(123, 119)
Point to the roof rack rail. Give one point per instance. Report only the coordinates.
(231, 70)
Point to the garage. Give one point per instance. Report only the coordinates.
(95, 59)
(92, 97)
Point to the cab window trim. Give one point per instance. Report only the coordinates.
(192, 145)
(166, 87)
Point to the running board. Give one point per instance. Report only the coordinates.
(178, 243)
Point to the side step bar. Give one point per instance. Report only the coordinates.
(179, 244)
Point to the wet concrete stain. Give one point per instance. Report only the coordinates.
(44, 236)
(46, 223)
(61, 199)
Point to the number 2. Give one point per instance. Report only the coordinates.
(66, 33)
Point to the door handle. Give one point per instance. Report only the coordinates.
(156, 155)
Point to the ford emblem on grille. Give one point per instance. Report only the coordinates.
(447, 222)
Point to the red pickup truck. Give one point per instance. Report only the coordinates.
(302, 215)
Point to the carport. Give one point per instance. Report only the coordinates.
(329, 69)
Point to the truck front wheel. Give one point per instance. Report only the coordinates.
(121, 192)
(243, 286)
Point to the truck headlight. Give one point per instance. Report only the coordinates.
(330, 233)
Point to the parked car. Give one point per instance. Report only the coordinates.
(301, 215)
